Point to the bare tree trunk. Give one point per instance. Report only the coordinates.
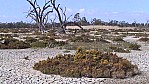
(39, 27)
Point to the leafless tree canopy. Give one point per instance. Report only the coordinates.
(39, 14)
(61, 13)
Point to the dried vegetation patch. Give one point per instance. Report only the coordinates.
(88, 63)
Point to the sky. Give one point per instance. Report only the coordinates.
(106, 10)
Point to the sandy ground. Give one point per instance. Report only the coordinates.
(99, 27)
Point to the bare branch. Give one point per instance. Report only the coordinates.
(69, 17)
(35, 2)
(32, 16)
(34, 8)
(63, 14)
(58, 6)
(57, 10)
(46, 20)
(44, 16)
(46, 6)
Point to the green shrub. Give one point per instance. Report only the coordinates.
(134, 46)
(118, 39)
(88, 63)
(8, 40)
(117, 49)
(37, 33)
(144, 39)
(44, 38)
(11, 43)
(70, 47)
(18, 45)
(40, 44)
(82, 38)
(3, 46)
(30, 39)
(53, 43)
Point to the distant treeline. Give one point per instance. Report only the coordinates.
(22, 24)
(82, 22)
(17, 25)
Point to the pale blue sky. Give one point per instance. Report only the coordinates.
(121, 10)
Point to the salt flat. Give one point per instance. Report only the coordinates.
(16, 70)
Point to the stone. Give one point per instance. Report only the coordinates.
(136, 71)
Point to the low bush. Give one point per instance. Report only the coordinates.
(53, 44)
(44, 38)
(82, 38)
(134, 46)
(117, 49)
(30, 39)
(144, 39)
(18, 45)
(70, 47)
(37, 33)
(118, 39)
(40, 44)
(10, 43)
(88, 63)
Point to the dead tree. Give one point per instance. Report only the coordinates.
(39, 14)
(61, 14)
(53, 23)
